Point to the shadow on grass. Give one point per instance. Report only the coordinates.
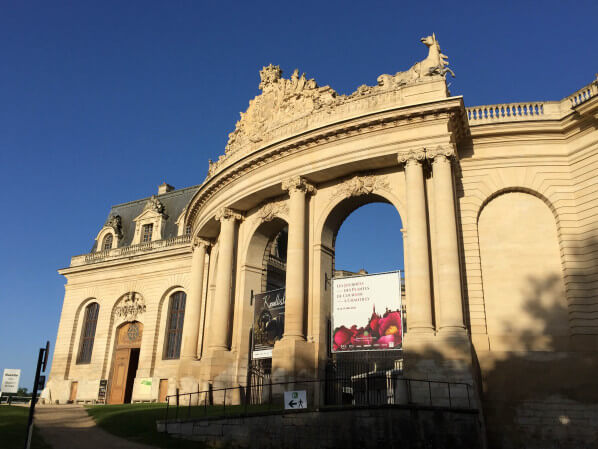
(13, 428)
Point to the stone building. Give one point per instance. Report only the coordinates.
(498, 205)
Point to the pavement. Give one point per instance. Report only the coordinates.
(70, 427)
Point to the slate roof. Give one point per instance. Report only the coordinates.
(174, 202)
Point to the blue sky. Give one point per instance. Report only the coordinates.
(102, 101)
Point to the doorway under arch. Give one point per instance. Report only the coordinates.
(125, 362)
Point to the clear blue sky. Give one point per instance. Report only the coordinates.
(102, 101)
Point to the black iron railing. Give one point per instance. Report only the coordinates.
(372, 389)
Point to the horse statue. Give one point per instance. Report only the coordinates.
(435, 64)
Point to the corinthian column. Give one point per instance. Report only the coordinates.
(418, 266)
(449, 277)
(294, 317)
(193, 305)
(221, 310)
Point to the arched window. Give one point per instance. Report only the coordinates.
(174, 330)
(88, 332)
(107, 243)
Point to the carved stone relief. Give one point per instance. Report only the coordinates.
(361, 185)
(132, 305)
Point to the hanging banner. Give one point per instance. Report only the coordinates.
(366, 313)
(268, 322)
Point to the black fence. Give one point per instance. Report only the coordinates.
(374, 389)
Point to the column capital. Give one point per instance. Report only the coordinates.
(198, 241)
(411, 157)
(441, 154)
(298, 183)
(227, 213)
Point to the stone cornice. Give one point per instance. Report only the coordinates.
(376, 121)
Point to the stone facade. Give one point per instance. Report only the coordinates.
(498, 205)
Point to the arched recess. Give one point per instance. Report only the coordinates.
(254, 268)
(522, 272)
(76, 333)
(324, 255)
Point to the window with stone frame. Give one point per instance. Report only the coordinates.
(107, 242)
(88, 332)
(174, 325)
(146, 232)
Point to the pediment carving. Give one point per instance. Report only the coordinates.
(114, 222)
(269, 211)
(131, 307)
(153, 204)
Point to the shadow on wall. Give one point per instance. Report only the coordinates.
(538, 383)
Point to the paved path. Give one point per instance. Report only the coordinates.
(70, 427)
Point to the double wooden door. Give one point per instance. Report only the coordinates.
(125, 362)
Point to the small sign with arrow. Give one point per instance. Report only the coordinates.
(294, 400)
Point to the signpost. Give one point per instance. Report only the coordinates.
(294, 400)
(366, 313)
(42, 361)
(10, 381)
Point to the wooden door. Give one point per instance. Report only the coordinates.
(119, 376)
(73, 396)
(163, 391)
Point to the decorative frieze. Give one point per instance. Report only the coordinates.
(361, 185)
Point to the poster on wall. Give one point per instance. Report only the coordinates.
(366, 313)
(268, 322)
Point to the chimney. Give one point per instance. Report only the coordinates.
(164, 188)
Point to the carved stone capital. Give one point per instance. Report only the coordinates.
(298, 183)
(198, 241)
(440, 154)
(227, 213)
(271, 210)
(411, 157)
(361, 185)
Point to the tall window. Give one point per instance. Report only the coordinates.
(146, 233)
(174, 331)
(107, 243)
(88, 333)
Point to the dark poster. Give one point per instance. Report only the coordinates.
(268, 322)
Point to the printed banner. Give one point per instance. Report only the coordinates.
(366, 313)
(268, 322)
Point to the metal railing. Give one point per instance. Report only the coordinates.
(374, 389)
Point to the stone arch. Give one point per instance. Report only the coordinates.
(521, 271)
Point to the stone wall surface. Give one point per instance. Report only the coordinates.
(396, 427)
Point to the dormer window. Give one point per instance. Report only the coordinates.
(107, 242)
(146, 233)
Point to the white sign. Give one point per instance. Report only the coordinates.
(294, 400)
(10, 380)
(262, 354)
(366, 313)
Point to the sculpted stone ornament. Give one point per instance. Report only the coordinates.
(412, 156)
(271, 210)
(114, 222)
(361, 185)
(154, 205)
(228, 214)
(281, 101)
(440, 153)
(198, 241)
(298, 183)
(436, 64)
(132, 305)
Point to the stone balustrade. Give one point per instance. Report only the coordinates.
(127, 251)
(539, 110)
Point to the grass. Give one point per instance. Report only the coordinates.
(137, 422)
(13, 428)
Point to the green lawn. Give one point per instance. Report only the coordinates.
(137, 422)
(13, 427)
